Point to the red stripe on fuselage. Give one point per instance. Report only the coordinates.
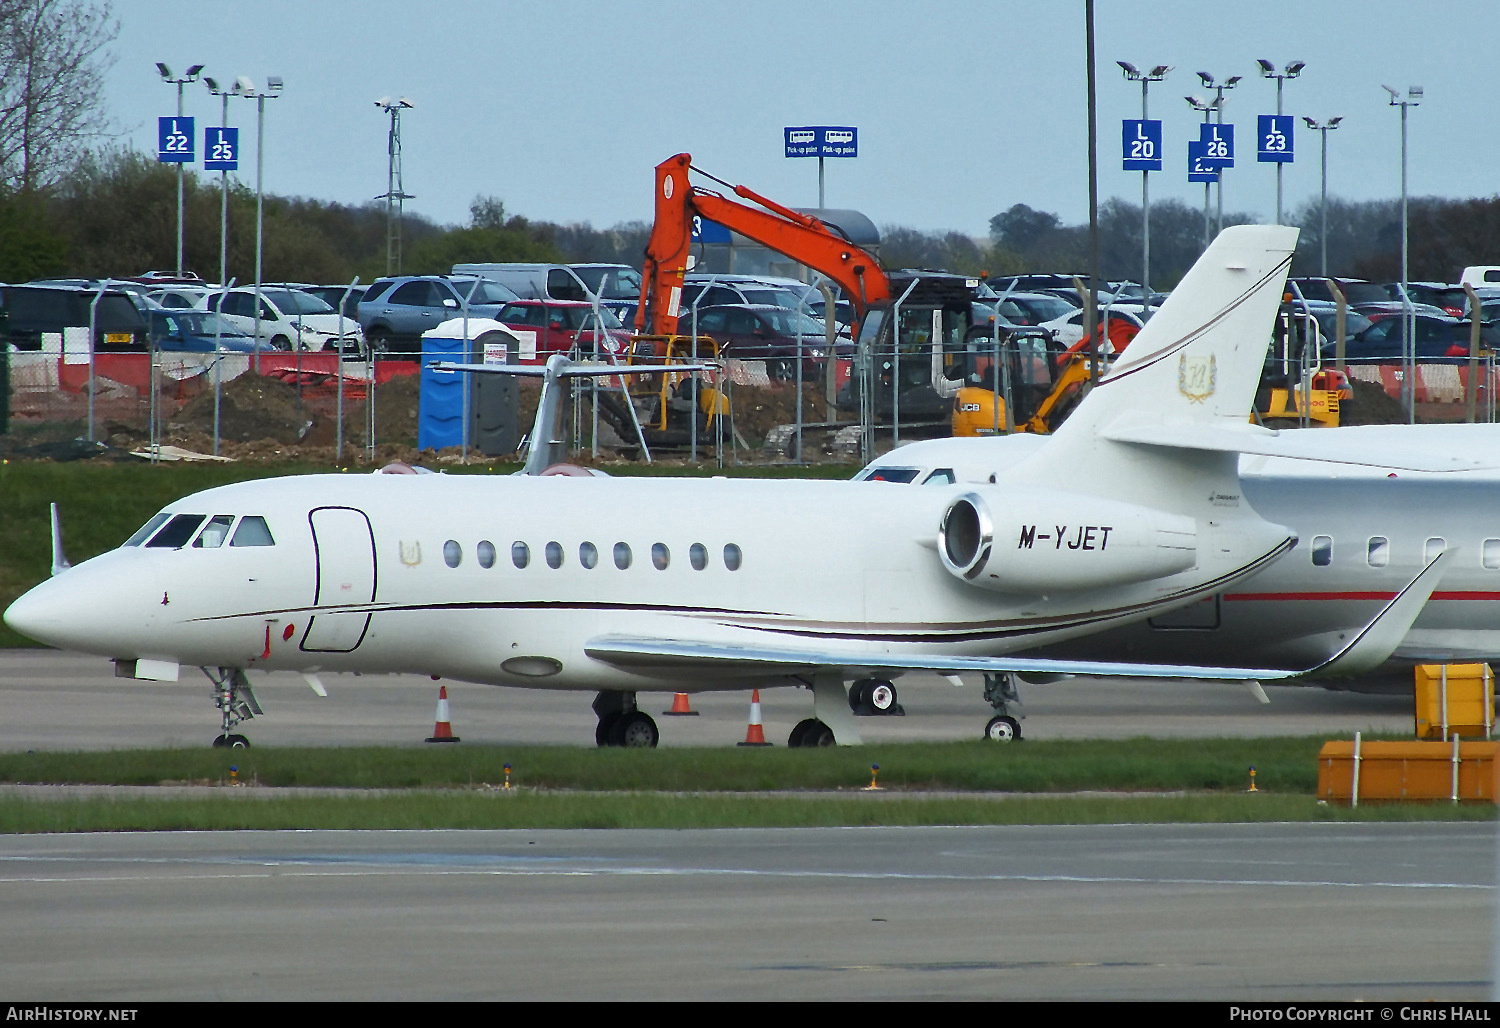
(1382, 597)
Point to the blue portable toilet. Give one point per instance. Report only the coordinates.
(441, 396)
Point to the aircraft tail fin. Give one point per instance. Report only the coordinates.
(1200, 357)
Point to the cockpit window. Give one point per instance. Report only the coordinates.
(253, 531)
(942, 476)
(214, 533)
(177, 532)
(144, 532)
(901, 475)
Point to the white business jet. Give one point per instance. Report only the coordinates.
(615, 585)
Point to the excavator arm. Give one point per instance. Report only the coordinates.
(804, 239)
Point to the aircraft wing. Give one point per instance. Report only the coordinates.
(634, 651)
(1248, 438)
(1366, 649)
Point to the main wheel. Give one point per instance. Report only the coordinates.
(634, 730)
(1002, 729)
(605, 727)
(810, 733)
(882, 697)
(859, 695)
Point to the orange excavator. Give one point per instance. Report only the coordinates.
(920, 333)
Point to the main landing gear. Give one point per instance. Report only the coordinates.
(621, 723)
(999, 692)
(874, 697)
(236, 702)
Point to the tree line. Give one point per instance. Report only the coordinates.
(72, 204)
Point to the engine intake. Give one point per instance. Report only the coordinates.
(1059, 541)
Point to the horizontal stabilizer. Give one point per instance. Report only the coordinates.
(1297, 444)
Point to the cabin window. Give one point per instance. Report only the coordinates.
(732, 557)
(453, 554)
(1322, 550)
(253, 531)
(554, 555)
(698, 556)
(520, 554)
(1378, 552)
(144, 532)
(660, 556)
(485, 554)
(622, 555)
(588, 555)
(214, 533)
(1490, 553)
(1436, 545)
(177, 532)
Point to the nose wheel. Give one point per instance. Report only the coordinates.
(236, 702)
(1000, 692)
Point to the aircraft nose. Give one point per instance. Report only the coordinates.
(43, 614)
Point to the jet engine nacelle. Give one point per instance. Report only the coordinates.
(1043, 542)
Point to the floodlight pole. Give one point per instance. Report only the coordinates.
(1145, 78)
(1218, 88)
(1323, 128)
(1408, 316)
(190, 76)
(223, 94)
(1291, 71)
(246, 88)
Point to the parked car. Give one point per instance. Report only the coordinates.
(762, 332)
(288, 318)
(1436, 337)
(174, 330)
(730, 289)
(34, 310)
(1068, 329)
(1027, 309)
(181, 296)
(546, 327)
(394, 312)
(339, 294)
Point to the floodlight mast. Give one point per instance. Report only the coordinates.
(1218, 88)
(191, 75)
(246, 87)
(224, 95)
(1408, 317)
(1268, 70)
(1323, 128)
(395, 192)
(1156, 74)
(1206, 107)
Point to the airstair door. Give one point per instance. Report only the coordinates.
(344, 546)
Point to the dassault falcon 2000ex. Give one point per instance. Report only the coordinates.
(615, 585)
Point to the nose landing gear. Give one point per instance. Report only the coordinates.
(236, 702)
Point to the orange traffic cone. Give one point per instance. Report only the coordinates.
(443, 731)
(755, 735)
(680, 707)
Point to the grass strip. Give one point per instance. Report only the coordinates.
(1283, 765)
(260, 810)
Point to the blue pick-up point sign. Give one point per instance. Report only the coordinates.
(821, 141)
(174, 140)
(1273, 133)
(221, 149)
(1142, 144)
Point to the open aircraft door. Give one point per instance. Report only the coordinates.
(344, 547)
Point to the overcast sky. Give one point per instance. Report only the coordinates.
(562, 108)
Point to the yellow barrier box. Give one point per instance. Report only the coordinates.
(1455, 699)
(1454, 770)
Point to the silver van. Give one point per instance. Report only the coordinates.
(613, 283)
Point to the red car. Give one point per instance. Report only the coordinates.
(559, 326)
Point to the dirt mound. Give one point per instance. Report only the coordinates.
(251, 407)
(1371, 405)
